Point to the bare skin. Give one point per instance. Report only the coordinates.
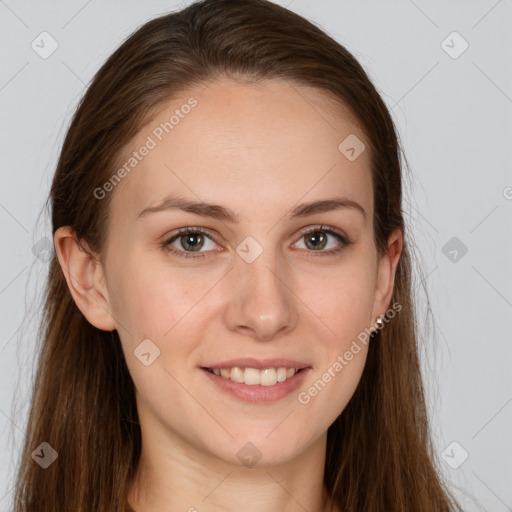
(259, 150)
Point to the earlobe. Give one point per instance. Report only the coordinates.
(85, 278)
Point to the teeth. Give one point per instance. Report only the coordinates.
(236, 374)
(282, 373)
(253, 376)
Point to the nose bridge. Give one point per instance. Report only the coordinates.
(263, 302)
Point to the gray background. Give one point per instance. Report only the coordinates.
(454, 114)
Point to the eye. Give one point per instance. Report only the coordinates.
(317, 239)
(190, 240)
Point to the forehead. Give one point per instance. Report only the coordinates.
(251, 146)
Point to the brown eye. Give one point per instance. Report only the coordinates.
(316, 240)
(192, 241)
(187, 241)
(323, 240)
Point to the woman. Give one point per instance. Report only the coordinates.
(229, 318)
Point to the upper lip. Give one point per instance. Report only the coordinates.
(260, 364)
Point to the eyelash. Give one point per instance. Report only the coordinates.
(345, 242)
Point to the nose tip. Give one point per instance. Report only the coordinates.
(262, 304)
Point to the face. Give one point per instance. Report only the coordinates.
(260, 276)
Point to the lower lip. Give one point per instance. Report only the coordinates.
(258, 393)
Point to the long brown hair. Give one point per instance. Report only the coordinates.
(379, 453)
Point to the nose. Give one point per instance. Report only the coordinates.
(263, 304)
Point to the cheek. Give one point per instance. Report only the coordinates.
(149, 302)
(154, 305)
(342, 300)
(157, 304)
(335, 380)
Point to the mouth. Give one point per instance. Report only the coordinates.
(250, 384)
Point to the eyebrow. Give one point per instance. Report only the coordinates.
(224, 214)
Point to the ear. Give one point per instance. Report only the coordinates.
(386, 274)
(85, 278)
